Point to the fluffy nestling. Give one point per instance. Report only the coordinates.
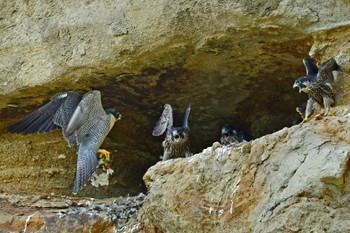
(233, 135)
(176, 143)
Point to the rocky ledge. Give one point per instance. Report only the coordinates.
(294, 180)
(21, 213)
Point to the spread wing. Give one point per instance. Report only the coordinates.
(86, 164)
(66, 110)
(42, 119)
(325, 71)
(165, 121)
(89, 108)
(186, 115)
(311, 68)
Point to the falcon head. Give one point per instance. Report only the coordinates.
(226, 131)
(179, 134)
(231, 134)
(303, 83)
(228, 135)
(114, 112)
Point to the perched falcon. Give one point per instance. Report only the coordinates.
(317, 84)
(83, 121)
(231, 134)
(176, 143)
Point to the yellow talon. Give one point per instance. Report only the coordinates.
(105, 153)
(304, 120)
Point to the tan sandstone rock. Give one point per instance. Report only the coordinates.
(293, 180)
(233, 60)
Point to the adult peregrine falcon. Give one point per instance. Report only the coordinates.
(83, 121)
(231, 134)
(317, 84)
(176, 143)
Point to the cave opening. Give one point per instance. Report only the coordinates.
(246, 83)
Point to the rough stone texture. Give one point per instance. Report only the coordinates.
(44, 164)
(140, 55)
(43, 41)
(65, 214)
(235, 61)
(295, 180)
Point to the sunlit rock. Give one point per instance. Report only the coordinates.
(286, 182)
(234, 61)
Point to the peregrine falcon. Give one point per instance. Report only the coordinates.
(317, 84)
(176, 143)
(83, 121)
(231, 134)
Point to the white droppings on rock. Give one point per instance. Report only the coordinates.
(285, 174)
(220, 212)
(235, 186)
(62, 156)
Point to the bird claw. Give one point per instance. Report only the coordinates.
(326, 112)
(105, 153)
(304, 120)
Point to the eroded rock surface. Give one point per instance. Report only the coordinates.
(295, 180)
(234, 61)
(66, 214)
(240, 58)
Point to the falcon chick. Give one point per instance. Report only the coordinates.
(231, 134)
(317, 84)
(176, 143)
(83, 121)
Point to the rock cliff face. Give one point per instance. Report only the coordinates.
(235, 61)
(231, 60)
(295, 180)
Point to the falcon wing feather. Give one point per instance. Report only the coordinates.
(325, 71)
(311, 68)
(40, 120)
(89, 108)
(186, 115)
(165, 121)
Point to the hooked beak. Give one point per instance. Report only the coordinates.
(177, 137)
(296, 86)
